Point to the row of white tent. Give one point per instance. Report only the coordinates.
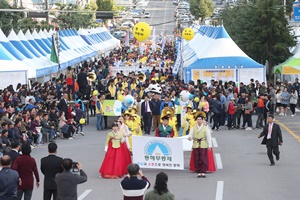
(25, 56)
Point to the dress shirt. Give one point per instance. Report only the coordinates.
(270, 131)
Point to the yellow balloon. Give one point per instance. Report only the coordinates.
(121, 97)
(202, 104)
(196, 99)
(82, 121)
(188, 33)
(95, 92)
(141, 31)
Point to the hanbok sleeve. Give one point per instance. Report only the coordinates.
(191, 134)
(108, 137)
(208, 136)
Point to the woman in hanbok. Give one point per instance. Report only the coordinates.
(211, 167)
(117, 156)
(125, 130)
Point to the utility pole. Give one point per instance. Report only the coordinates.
(284, 7)
(47, 13)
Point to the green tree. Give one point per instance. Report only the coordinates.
(8, 20)
(261, 30)
(201, 8)
(75, 19)
(105, 5)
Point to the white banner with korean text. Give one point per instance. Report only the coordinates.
(157, 152)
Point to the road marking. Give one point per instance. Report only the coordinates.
(219, 192)
(289, 131)
(84, 194)
(214, 142)
(219, 161)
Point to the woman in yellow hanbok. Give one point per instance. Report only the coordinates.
(129, 123)
(170, 112)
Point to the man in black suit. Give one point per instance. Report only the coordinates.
(146, 112)
(272, 138)
(14, 152)
(63, 104)
(50, 166)
(82, 82)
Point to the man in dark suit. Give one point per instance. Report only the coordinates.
(63, 104)
(82, 82)
(67, 181)
(50, 166)
(9, 180)
(272, 139)
(146, 111)
(14, 152)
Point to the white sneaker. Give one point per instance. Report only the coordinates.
(82, 133)
(249, 129)
(292, 115)
(70, 138)
(285, 115)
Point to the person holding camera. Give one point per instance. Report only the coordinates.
(67, 181)
(132, 187)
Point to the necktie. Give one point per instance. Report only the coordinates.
(269, 131)
(146, 106)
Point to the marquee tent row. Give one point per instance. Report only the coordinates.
(290, 67)
(25, 56)
(212, 54)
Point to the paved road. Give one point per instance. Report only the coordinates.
(245, 172)
(161, 12)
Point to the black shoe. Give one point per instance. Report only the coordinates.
(257, 127)
(277, 157)
(203, 176)
(238, 127)
(199, 176)
(272, 164)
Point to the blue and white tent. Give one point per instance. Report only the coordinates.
(212, 54)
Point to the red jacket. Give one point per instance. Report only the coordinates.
(25, 165)
(231, 109)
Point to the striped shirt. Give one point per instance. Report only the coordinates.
(134, 188)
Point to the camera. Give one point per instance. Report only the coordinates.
(75, 168)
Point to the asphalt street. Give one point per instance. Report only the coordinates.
(243, 168)
(162, 16)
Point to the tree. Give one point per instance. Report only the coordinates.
(76, 19)
(8, 20)
(261, 30)
(201, 8)
(105, 5)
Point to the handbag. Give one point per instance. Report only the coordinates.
(247, 112)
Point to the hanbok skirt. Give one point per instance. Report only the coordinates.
(210, 161)
(115, 162)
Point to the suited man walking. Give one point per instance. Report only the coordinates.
(63, 104)
(82, 82)
(146, 111)
(67, 181)
(50, 166)
(14, 152)
(272, 139)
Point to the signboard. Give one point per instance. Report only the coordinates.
(157, 152)
(127, 69)
(297, 14)
(178, 61)
(114, 108)
(217, 74)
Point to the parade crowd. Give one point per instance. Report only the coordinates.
(38, 113)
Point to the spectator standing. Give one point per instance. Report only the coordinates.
(67, 181)
(156, 102)
(293, 101)
(248, 114)
(285, 99)
(161, 191)
(78, 116)
(63, 104)
(14, 152)
(82, 82)
(132, 187)
(9, 180)
(99, 112)
(25, 165)
(50, 166)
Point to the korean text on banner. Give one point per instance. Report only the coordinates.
(158, 153)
